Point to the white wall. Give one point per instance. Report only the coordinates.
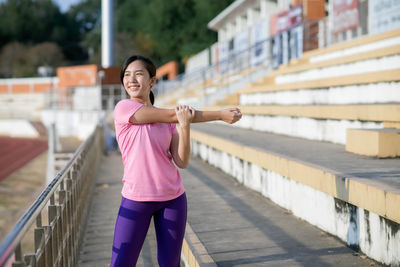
(313, 129)
(17, 128)
(86, 98)
(385, 92)
(198, 61)
(71, 122)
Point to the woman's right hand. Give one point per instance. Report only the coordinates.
(184, 114)
(231, 115)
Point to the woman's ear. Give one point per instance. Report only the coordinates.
(153, 81)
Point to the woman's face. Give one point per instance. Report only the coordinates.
(137, 81)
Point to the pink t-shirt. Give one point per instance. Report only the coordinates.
(149, 173)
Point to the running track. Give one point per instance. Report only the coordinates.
(16, 152)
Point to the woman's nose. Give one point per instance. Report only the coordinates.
(132, 78)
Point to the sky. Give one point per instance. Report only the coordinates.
(65, 4)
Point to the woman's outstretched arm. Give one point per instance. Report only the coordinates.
(152, 114)
(230, 115)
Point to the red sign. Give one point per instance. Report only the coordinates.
(285, 20)
(345, 15)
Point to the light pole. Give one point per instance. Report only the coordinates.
(107, 33)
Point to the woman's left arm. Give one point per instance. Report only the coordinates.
(180, 143)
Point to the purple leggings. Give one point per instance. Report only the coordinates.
(133, 222)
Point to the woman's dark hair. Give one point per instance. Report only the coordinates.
(149, 66)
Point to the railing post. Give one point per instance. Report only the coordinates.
(18, 262)
(30, 259)
(39, 246)
(48, 246)
(71, 237)
(52, 211)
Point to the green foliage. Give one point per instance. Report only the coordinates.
(163, 30)
(25, 24)
(172, 29)
(29, 21)
(18, 60)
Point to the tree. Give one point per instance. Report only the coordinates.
(18, 60)
(172, 29)
(11, 58)
(162, 30)
(32, 22)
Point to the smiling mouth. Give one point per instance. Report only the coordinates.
(133, 87)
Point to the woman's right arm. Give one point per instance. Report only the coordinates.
(152, 114)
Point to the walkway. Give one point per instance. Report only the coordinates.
(237, 226)
(98, 237)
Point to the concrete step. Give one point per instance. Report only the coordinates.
(239, 227)
(355, 198)
(315, 122)
(381, 143)
(352, 58)
(345, 80)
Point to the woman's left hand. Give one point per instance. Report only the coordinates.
(231, 115)
(184, 114)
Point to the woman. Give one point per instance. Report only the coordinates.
(150, 145)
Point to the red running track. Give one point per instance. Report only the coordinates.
(16, 152)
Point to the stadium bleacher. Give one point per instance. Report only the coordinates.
(313, 137)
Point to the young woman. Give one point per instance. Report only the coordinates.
(150, 145)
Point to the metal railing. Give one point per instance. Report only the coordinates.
(64, 202)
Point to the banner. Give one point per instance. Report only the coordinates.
(287, 19)
(345, 15)
(296, 42)
(384, 15)
(223, 51)
(241, 42)
(277, 50)
(288, 35)
(241, 50)
(259, 43)
(214, 54)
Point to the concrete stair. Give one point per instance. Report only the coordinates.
(355, 198)
(320, 137)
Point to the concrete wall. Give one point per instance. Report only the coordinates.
(309, 128)
(17, 128)
(384, 92)
(199, 61)
(72, 122)
(86, 98)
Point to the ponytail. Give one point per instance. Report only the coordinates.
(152, 97)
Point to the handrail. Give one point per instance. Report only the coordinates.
(13, 239)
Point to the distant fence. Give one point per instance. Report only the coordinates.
(64, 203)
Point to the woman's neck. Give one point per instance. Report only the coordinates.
(145, 102)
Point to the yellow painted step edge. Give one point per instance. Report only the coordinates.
(385, 203)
